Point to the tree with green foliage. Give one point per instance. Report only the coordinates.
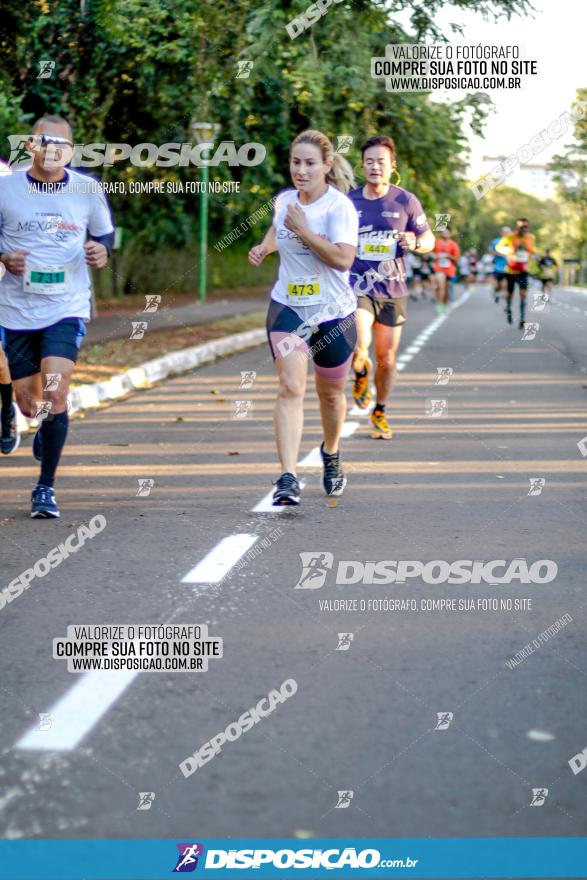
(570, 173)
(143, 70)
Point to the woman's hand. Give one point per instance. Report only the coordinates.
(257, 254)
(295, 220)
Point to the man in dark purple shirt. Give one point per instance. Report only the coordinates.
(391, 223)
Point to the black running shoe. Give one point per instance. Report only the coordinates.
(522, 323)
(508, 315)
(287, 490)
(333, 478)
(10, 437)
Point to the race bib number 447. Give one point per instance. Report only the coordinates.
(377, 246)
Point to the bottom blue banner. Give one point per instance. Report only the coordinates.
(483, 857)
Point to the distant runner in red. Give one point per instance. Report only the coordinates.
(447, 253)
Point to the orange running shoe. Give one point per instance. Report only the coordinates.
(381, 429)
(361, 390)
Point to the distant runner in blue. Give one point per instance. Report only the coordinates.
(499, 264)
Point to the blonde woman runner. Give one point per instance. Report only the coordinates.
(312, 310)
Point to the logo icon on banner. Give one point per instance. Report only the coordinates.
(188, 857)
(539, 795)
(314, 567)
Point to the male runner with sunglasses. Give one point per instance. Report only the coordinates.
(46, 213)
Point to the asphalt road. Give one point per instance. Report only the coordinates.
(364, 719)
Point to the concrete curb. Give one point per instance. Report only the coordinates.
(87, 397)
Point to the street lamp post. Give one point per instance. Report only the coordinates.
(204, 132)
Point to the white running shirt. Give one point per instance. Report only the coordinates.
(52, 226)
(305, 283)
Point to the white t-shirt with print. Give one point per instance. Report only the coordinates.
(305, 283)
(52, 226)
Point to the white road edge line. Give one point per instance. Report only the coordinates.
(217, 563)
(78, 711)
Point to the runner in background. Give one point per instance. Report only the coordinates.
(421, 285)
(499, 264)
(474, 267)
(447, 254)
(312, 308)
(392, 223)
(518, 248)
(9, 436)
(46, 213)
(548, 270)
(487, 268)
